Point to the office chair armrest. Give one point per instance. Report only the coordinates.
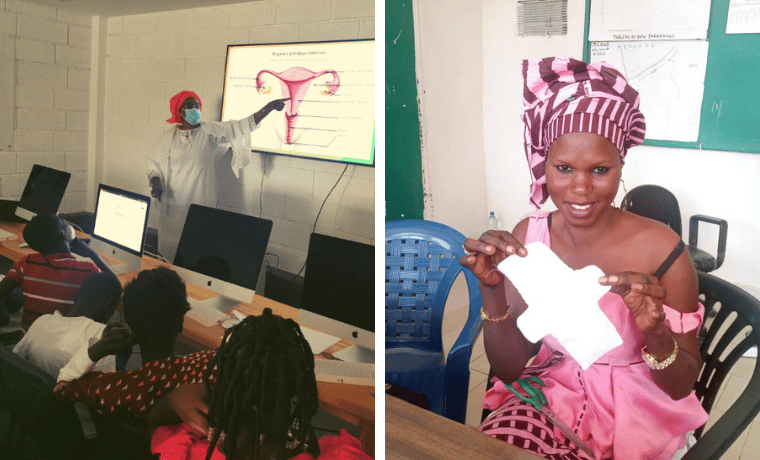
(719, 438)
(457, 377)
(467, 337)
(694, 234)
(474, 323)
(456, 386)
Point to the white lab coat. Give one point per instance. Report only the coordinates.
(184, 161)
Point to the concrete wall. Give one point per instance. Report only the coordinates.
(450, 72)
(151, 57)
(44, 99)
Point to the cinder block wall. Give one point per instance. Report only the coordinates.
(151, 57)
(46, 61)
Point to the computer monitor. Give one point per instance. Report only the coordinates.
(121, 221)
(222, 251)
(43, 192)
(338, 294)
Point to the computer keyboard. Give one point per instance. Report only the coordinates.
(331, 370)
(318, 341)
(204, 314)
(7, 236)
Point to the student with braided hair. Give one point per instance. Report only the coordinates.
(265, 389)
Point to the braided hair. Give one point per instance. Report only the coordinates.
(265, 384)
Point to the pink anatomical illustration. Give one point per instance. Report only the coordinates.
(295, 82)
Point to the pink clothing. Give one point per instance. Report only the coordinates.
(180, 442)
(614, 406)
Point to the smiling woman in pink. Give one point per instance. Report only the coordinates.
(637, 400)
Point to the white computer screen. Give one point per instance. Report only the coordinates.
(120, 218)
(329, 92)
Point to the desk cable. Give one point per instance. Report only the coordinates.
(261, 187)
(76, 227)
(157, 256)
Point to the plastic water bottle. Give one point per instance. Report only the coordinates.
(493, 223)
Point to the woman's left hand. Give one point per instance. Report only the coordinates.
(643, 295)
(187, 402)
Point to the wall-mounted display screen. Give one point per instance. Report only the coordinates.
(330, 90)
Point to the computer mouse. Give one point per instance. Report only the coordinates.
(228, 323)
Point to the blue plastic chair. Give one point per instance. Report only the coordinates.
(421, 264)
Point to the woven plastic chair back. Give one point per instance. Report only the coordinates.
(422, 261)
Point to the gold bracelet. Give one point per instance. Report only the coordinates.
(485, 317)
(660, 365)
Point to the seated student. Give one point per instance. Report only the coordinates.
(54, 342)
(155, 303)
(265, 390)
(50, 278)
(54, 339)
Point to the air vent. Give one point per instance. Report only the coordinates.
(541, 17)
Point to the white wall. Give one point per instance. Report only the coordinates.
(151, 57)
(45, 114)
(449, 57)
(705, 182)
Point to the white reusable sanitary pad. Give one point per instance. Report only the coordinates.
(562, 302)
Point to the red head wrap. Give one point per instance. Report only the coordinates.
(176, 102)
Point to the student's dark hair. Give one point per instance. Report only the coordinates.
(155, 303)
(42, 233)
(265, 383)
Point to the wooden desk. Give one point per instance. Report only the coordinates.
(11, 249)
(415, 433)
(352, 403)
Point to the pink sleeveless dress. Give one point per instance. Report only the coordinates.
(614, 406)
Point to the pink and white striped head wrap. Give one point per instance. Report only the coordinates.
(563, 96)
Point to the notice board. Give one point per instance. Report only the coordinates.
(730, 105)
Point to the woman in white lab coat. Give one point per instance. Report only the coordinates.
(181, 167)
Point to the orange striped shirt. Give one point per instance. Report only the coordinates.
(49, 283)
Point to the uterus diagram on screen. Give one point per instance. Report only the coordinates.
(295, 83)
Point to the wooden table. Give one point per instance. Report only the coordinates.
(415, 433)
(352, 403)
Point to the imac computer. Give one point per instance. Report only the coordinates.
(121, 221)
(43, 192)
(222, 251)
(339, 294)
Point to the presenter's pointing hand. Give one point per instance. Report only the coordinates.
(279, 104)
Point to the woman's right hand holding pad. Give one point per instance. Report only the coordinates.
(485, 254)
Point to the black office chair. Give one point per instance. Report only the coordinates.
(26, 393)
(731, 327)
(660, 204)
(123, 437)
